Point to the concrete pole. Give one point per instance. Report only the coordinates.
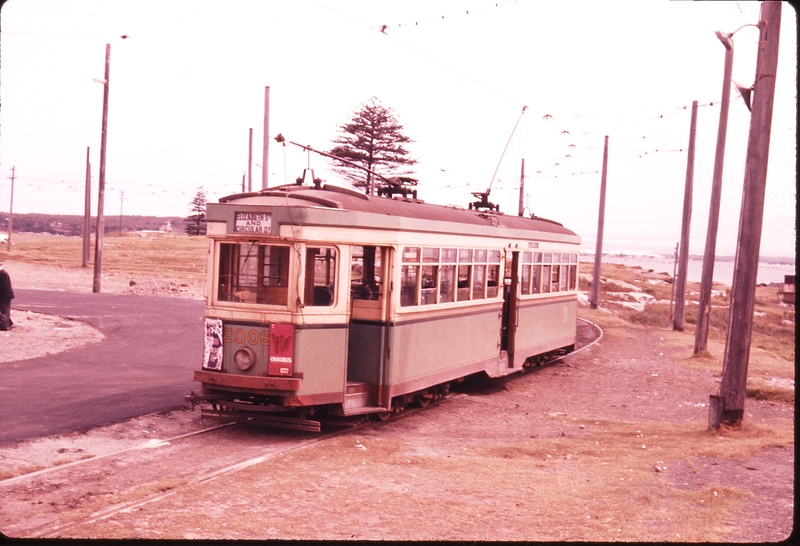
(98, 242)
(265, 157)
(250, 163)
(683, 263)
(706, 280)
(598, 252)
(87, 213)
(732, 388)
(522, 189)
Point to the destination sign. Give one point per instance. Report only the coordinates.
(253, 222)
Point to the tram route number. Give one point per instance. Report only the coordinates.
(242, 336)
(253, 222)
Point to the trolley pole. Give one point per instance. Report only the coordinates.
(10, 211)
(732, 388)
(680, 289)
(98, 241)
(598, 252)
(265, 157)
(87, 213)
(522, 189)
(706, 280)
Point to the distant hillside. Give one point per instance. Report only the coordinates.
(73, 225)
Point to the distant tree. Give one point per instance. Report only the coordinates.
(374, 139)
(196, 223)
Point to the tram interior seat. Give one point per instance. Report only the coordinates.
(364, 291)
(323, 295)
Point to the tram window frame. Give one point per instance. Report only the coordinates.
(409, 276)
(448, 275)
(525, 274)
(573, 271)
(320, 276)
(366, 272)
(265, 279)
(555, 275)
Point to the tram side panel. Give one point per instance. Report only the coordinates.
(428, 351)
(545, 325)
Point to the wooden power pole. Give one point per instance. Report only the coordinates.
(250, 163)
(98, 241)
(265, 156)
(10, 211)
(87, 214)
(707, 277)
(598, 252)
(683, 263)
(522, 189)
(728, 406)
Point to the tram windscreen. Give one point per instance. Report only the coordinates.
(253, 273)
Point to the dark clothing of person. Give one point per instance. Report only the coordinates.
(6, 295)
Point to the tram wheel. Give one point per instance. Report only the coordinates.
(383, 416)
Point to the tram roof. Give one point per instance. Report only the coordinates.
(385, 212)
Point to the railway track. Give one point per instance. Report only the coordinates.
(51, 502)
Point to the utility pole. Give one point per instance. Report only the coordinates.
(265, 157)
(121, 199)
(522, 189)
(598, 252)
(674, 279)
(728, 406)
(11, 211)
(706, 279)
(680, 289)
(98, 241)
(87, 213)
(250, 163)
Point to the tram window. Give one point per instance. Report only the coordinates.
(365, 272)
(546, 278)
(430, 255)
(491, 281)
(411, 254)
(465, 255)
(555, 277)
(428, 286)
(478, 281)
(537, 257)
(408, 285)
(249, 272)
(480, 256)
(463, 282)
(526, 257)
(320, 281)
(573, 276)
(526, 278)
(563, 283)
(547, 257)
(536, 277)
(447, 283)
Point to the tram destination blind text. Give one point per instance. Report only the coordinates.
(253, 222)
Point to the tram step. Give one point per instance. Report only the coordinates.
(356, 394)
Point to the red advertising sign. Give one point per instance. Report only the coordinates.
(281, 349)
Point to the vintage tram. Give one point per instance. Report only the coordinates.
(323, 302)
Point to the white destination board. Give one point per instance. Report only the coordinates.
(253, 222)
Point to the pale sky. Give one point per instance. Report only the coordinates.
(188, 84)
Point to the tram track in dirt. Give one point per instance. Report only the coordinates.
(65, 496)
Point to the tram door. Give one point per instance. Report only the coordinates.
(368, 329)
(510, 304)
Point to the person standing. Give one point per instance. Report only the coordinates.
(6, 295)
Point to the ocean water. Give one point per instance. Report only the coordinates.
(723, 270)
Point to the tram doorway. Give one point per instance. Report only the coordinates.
(369, 327)
(508, 326)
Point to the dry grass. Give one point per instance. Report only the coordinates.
(171, 257)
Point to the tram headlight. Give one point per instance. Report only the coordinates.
(244, 358)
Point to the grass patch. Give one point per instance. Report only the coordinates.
(171, 257)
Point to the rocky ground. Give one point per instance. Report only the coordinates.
(610, 444)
